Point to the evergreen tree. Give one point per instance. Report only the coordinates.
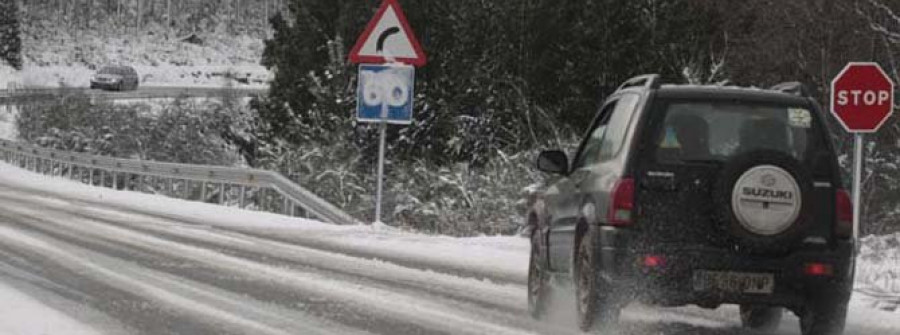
(10, 38)
(502, 75)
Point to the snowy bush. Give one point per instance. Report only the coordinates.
(10, 34)
(459, 200)
(879, 264)
(181, 131)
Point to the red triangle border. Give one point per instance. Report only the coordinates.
(356, 58)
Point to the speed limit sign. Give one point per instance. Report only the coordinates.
(385, 93)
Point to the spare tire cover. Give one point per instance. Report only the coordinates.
(766, 200)
(763, 201)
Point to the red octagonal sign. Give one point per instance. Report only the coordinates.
(862, 97)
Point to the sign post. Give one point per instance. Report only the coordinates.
(386, 51)
(862, 99)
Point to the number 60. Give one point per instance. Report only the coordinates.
(386, 87)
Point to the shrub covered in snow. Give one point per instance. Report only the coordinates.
(879, 264)
(181, 131)
(10, 34)
(460, 199)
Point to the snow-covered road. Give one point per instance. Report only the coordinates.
(93, 261)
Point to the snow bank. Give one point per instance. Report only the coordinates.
(495, 257)
(21, 314)
(241, 76)
(878, 268)
(8, 75)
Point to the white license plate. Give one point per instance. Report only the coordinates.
(735, 282)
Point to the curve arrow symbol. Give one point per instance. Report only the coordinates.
(381, 38)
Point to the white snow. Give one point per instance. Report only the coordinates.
(54, 76)
(20, 314)
(503, 257)
(879, 265)
(492, 256)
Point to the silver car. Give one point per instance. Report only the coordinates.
(118, 78)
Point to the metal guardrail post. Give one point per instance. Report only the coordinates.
(261, 199)
(74, 165)
(243, 201)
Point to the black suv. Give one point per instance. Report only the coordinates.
(698, 195)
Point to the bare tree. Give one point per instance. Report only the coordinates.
(140, 14)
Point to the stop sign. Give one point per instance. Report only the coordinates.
(862, 97)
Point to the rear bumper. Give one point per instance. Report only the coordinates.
(104, 86)
(672, 283)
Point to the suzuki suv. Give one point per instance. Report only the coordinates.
(698, 195)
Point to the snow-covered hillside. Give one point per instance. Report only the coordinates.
(62, 57)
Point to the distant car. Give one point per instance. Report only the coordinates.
(118, 78)
(699, 195)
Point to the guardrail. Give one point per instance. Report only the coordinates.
(246, 188)
(18, 94)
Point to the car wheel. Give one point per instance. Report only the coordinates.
(537, 280)
(593, 294)
(824, 318)
(761, 318)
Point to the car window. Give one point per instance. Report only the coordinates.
(713, 131)
(618, 127)
(107, 70)
(605, 139)
(590, 147)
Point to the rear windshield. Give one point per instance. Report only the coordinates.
(717, 131)
(108, 70)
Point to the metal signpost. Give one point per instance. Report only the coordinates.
(386, 51)
(862, 99)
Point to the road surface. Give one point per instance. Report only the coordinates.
(7, 97)
(122, 270)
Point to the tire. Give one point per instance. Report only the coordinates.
(595, 306)
(726, 216)
(824, 318)
(761, 318)
(537, 280)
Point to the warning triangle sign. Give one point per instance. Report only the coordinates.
(388, 36)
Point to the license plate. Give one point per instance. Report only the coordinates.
(734, 282)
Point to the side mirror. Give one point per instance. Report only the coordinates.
(553, 161)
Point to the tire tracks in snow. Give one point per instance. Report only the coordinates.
(149, 301)
(392, 298)
(312, 243)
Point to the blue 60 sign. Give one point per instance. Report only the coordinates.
(385, 93)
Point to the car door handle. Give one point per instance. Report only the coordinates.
(660, 181)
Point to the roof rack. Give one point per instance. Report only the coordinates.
(794, 88)
(650, 81)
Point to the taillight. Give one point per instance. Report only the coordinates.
(622, 203)
(654, 261)
(843, 208)
(818, 269)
